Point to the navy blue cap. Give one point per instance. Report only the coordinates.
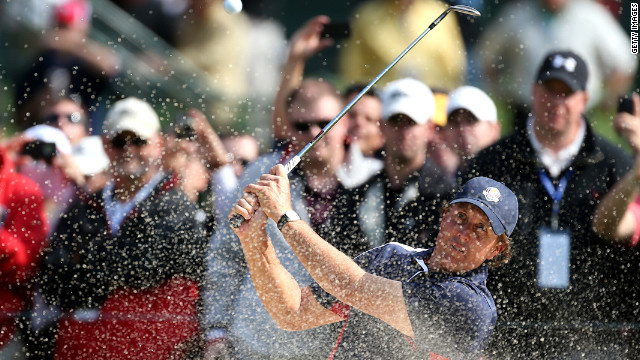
(496, 200)
(565, 66)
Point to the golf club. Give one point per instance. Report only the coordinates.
(237, 220)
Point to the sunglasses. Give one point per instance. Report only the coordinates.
(119, 142)
(74, 118)
(304, 126)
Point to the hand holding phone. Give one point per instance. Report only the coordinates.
(625, 104)
(627, 120)
(183, 128)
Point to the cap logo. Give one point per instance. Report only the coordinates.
(491, 194)
(568, 63)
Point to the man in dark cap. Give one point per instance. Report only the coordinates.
(565, 289)
(396, 302)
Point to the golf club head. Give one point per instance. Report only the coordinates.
(464, 9)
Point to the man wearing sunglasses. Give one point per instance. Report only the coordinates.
(134, 248)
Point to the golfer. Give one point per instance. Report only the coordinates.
(396, 302)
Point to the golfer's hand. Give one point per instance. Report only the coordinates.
(255, 219)
(273, 192)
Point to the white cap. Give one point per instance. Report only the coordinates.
(90, 156)
(409, 97)
(49, 134)
(473, 100)
(131, 114)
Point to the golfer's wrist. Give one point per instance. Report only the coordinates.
(286, 217)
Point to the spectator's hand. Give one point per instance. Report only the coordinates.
(69, 168)
(213, 150)
(65, 39)
(628, 125)
(78, 43)
(306, 41)
(14, 145)
(273, 192)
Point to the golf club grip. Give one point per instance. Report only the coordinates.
(236, 220)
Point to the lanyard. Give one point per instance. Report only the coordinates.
(555, 193)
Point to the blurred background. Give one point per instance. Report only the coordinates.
(179, 54)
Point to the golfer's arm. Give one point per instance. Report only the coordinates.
(290, 307)
(340, 276)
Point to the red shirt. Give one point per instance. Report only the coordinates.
(23, 232)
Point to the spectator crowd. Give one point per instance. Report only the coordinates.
(114, 234)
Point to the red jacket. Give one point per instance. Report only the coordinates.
(142, 285)
(23, 232)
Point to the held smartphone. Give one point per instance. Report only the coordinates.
(625, 104)
(336, 31)
(183, 128)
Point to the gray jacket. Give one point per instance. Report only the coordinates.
(231, 302)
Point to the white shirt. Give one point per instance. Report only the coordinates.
(555, 163)
(116, 211)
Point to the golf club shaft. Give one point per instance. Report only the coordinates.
(237, 220)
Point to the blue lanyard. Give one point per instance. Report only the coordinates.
(555, 193)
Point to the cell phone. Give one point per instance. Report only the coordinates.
(336, 31)
(625, 104)
(183, 128)
(40, 150)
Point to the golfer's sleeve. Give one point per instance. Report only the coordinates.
(329, 301)
(453, 319)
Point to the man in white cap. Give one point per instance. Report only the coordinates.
(471, 125)
(407, 108)
(472, 122)
(133, 247)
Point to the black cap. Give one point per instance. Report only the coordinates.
(566, 66)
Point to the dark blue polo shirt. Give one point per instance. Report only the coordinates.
(451, 315)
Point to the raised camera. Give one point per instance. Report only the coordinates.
(40, 150)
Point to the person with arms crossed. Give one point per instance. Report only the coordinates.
(398, 302)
